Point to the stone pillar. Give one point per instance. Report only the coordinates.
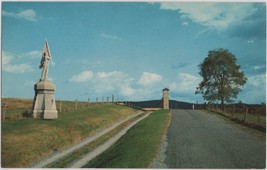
(165, 98)
(44, 103)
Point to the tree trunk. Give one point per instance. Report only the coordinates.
(222, 104)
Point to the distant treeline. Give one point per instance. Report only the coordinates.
(173, 104)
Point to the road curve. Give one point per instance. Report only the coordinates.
(197, 139)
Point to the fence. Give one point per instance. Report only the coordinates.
(252, 115)
(13, 108)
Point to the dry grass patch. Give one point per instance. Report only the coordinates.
(27, 140)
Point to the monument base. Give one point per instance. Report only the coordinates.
(44, 104)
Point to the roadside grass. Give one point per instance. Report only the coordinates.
(251, 126)
(64, 162)
(251, 119)
(138, 147)
(27, 140)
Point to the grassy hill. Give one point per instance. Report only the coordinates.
(26, 140)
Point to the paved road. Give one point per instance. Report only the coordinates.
(197, 139)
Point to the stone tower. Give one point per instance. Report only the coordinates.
(44, 104)
(165, 98)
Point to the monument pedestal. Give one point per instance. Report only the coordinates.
(44, 104)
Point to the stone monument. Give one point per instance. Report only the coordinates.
(165, 98)
(44, 104)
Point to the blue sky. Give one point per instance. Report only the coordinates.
(131, 50)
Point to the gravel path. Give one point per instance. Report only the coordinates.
(197, 139)
(51, 158)
(100, 149)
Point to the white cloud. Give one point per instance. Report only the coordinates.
(113, 74)
(82, 77)
(213, 15)
(18, 68)
(33, 54)
(8, 66)
(250, 41)
(108, 36)
(185, 83)
(258, 67)
(185, 23)
(101, 83)
(127, 90)
(149, 78)
(257, 80)
(114, 81)
(254, 90)
(28, 14)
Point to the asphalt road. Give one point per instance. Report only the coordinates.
(197, 139)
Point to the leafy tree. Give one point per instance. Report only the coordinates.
(222, 78)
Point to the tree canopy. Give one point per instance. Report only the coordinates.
(221, 77)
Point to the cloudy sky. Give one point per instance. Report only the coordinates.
(131, 50)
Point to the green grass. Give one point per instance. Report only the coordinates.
(27, 140)
(64, 162)
(252, 119)
(15, 108)
(138, 147)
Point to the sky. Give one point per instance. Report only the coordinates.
(131, 50)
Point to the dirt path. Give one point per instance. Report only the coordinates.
(98, 150)
(197, 139)
(51, 158)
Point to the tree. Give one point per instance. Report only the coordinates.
(222, 78)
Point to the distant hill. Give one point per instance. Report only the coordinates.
(158, 104)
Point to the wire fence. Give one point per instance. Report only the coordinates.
(14, 109)
(251, 115)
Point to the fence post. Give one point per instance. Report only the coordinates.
(259, 118)
(76, 103)
(245, 117)
(233, 110)
(3, 112)
(88, 102)
(60, 103)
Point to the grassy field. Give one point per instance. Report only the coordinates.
(15, 108)
(27, 140)
(138, 147)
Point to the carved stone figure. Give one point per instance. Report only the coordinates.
(44, 103)
(46, 56)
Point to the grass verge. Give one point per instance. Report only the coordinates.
(138, 147)
(64, 162)
(259, 131)
(27, 140)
